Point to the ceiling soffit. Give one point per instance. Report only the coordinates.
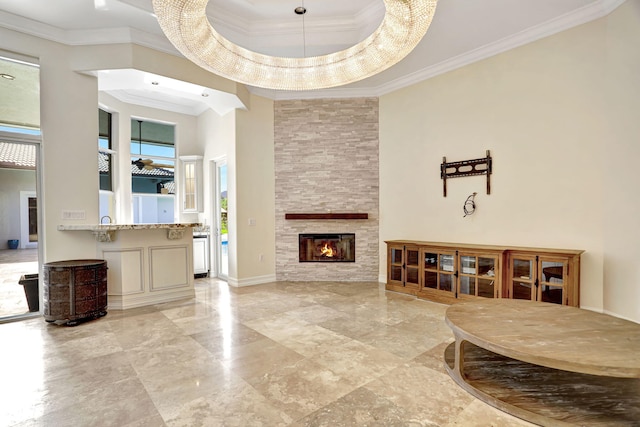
(285, 36)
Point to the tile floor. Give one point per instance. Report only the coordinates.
(13, 264)
(281, 354)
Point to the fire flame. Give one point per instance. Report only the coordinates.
(327, 251)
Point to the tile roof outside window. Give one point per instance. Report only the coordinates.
(17, 156)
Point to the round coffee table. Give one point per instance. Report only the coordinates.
(547, 363)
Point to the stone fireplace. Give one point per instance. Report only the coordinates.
(314, 247)
(327, 183)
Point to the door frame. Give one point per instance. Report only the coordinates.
(25, 243)
(216, 236)
(34, 140)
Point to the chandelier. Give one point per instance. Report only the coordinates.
(185, 24)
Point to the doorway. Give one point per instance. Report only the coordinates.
(220, 216)
(19, 254)
(20, 213)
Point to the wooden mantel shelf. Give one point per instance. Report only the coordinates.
(328, 215)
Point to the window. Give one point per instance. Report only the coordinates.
(153, 157)
(106, 156)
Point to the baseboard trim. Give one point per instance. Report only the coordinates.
(611, 313)
(252, 281)
(124, 302)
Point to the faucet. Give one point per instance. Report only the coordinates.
(106, 216)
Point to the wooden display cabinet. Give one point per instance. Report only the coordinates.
(480, 274)
(439, 269)
(403, 268)
(547, 275)
(449, 272)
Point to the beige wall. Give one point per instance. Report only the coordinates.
(254, 174)
(621, 149)
(542, 110)
(219, 134)
(66, 99)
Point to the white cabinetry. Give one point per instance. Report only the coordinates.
(191, 167)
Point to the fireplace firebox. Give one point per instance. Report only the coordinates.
(327, 247)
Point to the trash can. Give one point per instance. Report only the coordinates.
(30, 284)
(13, 243)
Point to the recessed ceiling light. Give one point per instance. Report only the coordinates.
(7, 76)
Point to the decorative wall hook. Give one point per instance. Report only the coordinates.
(465, 168)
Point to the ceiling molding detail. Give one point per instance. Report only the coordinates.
(129, 98)
(86, 37)
(260, 28)
(158, 42)
(581, 16)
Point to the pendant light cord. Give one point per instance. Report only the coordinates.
(304, 33)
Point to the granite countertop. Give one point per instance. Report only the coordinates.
(116, 227)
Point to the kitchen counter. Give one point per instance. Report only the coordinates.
(107, 232)
(147, 263)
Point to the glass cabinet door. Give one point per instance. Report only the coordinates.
(523, 277)
(438, 270)
(477, 276)
(412, 267)
(552, 276)
(395, 264)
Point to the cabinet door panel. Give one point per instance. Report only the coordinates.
(446, 282)
(486, 288)
(430, 260)
(413, 257)
(430, 280)
(396, 265)
(486, 266)
(413, 275)
(395, 273)
(522, 277)
(396, 256)
(447, 262)
(552, 294)
(552, 275)
(477, 273)
(467, 264)
(523, 290)
(467, 285)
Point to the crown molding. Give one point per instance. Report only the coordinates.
(86, 37)
(359, 22)
(580, 16)
(344, 92)
(129, 98)
(31, 27)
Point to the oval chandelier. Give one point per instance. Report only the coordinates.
(187, 27)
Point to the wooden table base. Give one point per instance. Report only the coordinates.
(544, 396)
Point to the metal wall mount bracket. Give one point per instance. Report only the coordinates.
(466, 168)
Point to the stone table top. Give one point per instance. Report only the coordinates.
(552, 335)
